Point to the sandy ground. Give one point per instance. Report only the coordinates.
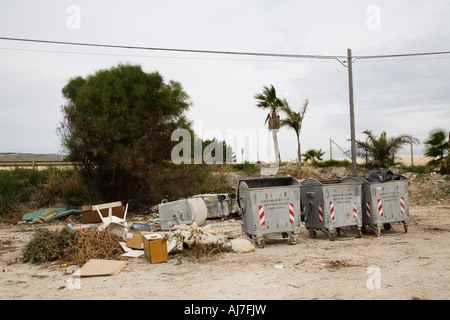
(415, 265)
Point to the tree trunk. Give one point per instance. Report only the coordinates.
(275, 145)
(299, 152)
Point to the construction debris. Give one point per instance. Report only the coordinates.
(103, 239)
(201, 242)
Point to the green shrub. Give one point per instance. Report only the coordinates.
(246, 166)
(332, 163)
(47, 245)
(415, 169)
(40, 188)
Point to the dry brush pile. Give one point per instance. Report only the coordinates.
(71, 246)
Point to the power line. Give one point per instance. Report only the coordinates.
(175, 50)
(261, 54)
(148, 55)
(402, 55)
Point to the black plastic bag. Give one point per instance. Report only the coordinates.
(379, 176)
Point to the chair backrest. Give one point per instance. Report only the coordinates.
(110, 218)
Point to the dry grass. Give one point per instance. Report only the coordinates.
(334, 265)
(92, 244)
(201, 251)
(72, 247)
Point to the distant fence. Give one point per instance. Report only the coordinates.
(37, 165)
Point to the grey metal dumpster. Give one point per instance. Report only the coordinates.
(174, 214)
(217, 205)
(335, 204)
(270, 206)
(385, 202)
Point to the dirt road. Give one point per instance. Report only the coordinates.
(415, 265)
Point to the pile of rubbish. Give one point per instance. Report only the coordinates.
(105, 235)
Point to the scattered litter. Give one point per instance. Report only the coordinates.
(155, 248)
(133, 254)
(116, 229)
(135, 240)
(174, 244)
(98, 267)
(83, 226)
(49, 214)
(200, 242)
(175, 214)
(90, 214)
(242, 245)
(130, 253)
(136, 227)
(278, 266)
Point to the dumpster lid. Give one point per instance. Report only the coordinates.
(269, 182)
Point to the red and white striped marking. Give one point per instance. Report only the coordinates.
(355, 212)
(380, 208)
(262, 221)
(368, 210)
(402, 205)
(331, 210)
(291, 212)
(320, 214)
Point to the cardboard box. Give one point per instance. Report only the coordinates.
(155, 248)
(91, 216)
(135, 240)
(86, 208)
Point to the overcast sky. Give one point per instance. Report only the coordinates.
(397, 95)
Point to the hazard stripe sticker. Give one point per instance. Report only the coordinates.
(262, 221)
(402, 205)
(380, 208)
(331, 210)
(368, 210)
(355, 212)
(320, 214)
(291, 212)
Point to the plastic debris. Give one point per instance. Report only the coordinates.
(242, 245)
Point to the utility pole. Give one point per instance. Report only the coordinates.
(331, 150)
(352, 112)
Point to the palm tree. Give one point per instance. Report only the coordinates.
(438, 148)
(268, 100)
(294, 122)
(382, 149)
(313, 155)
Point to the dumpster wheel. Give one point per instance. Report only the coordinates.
(331, 236)
(293, 239)
(359, 233)
(260, 243)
